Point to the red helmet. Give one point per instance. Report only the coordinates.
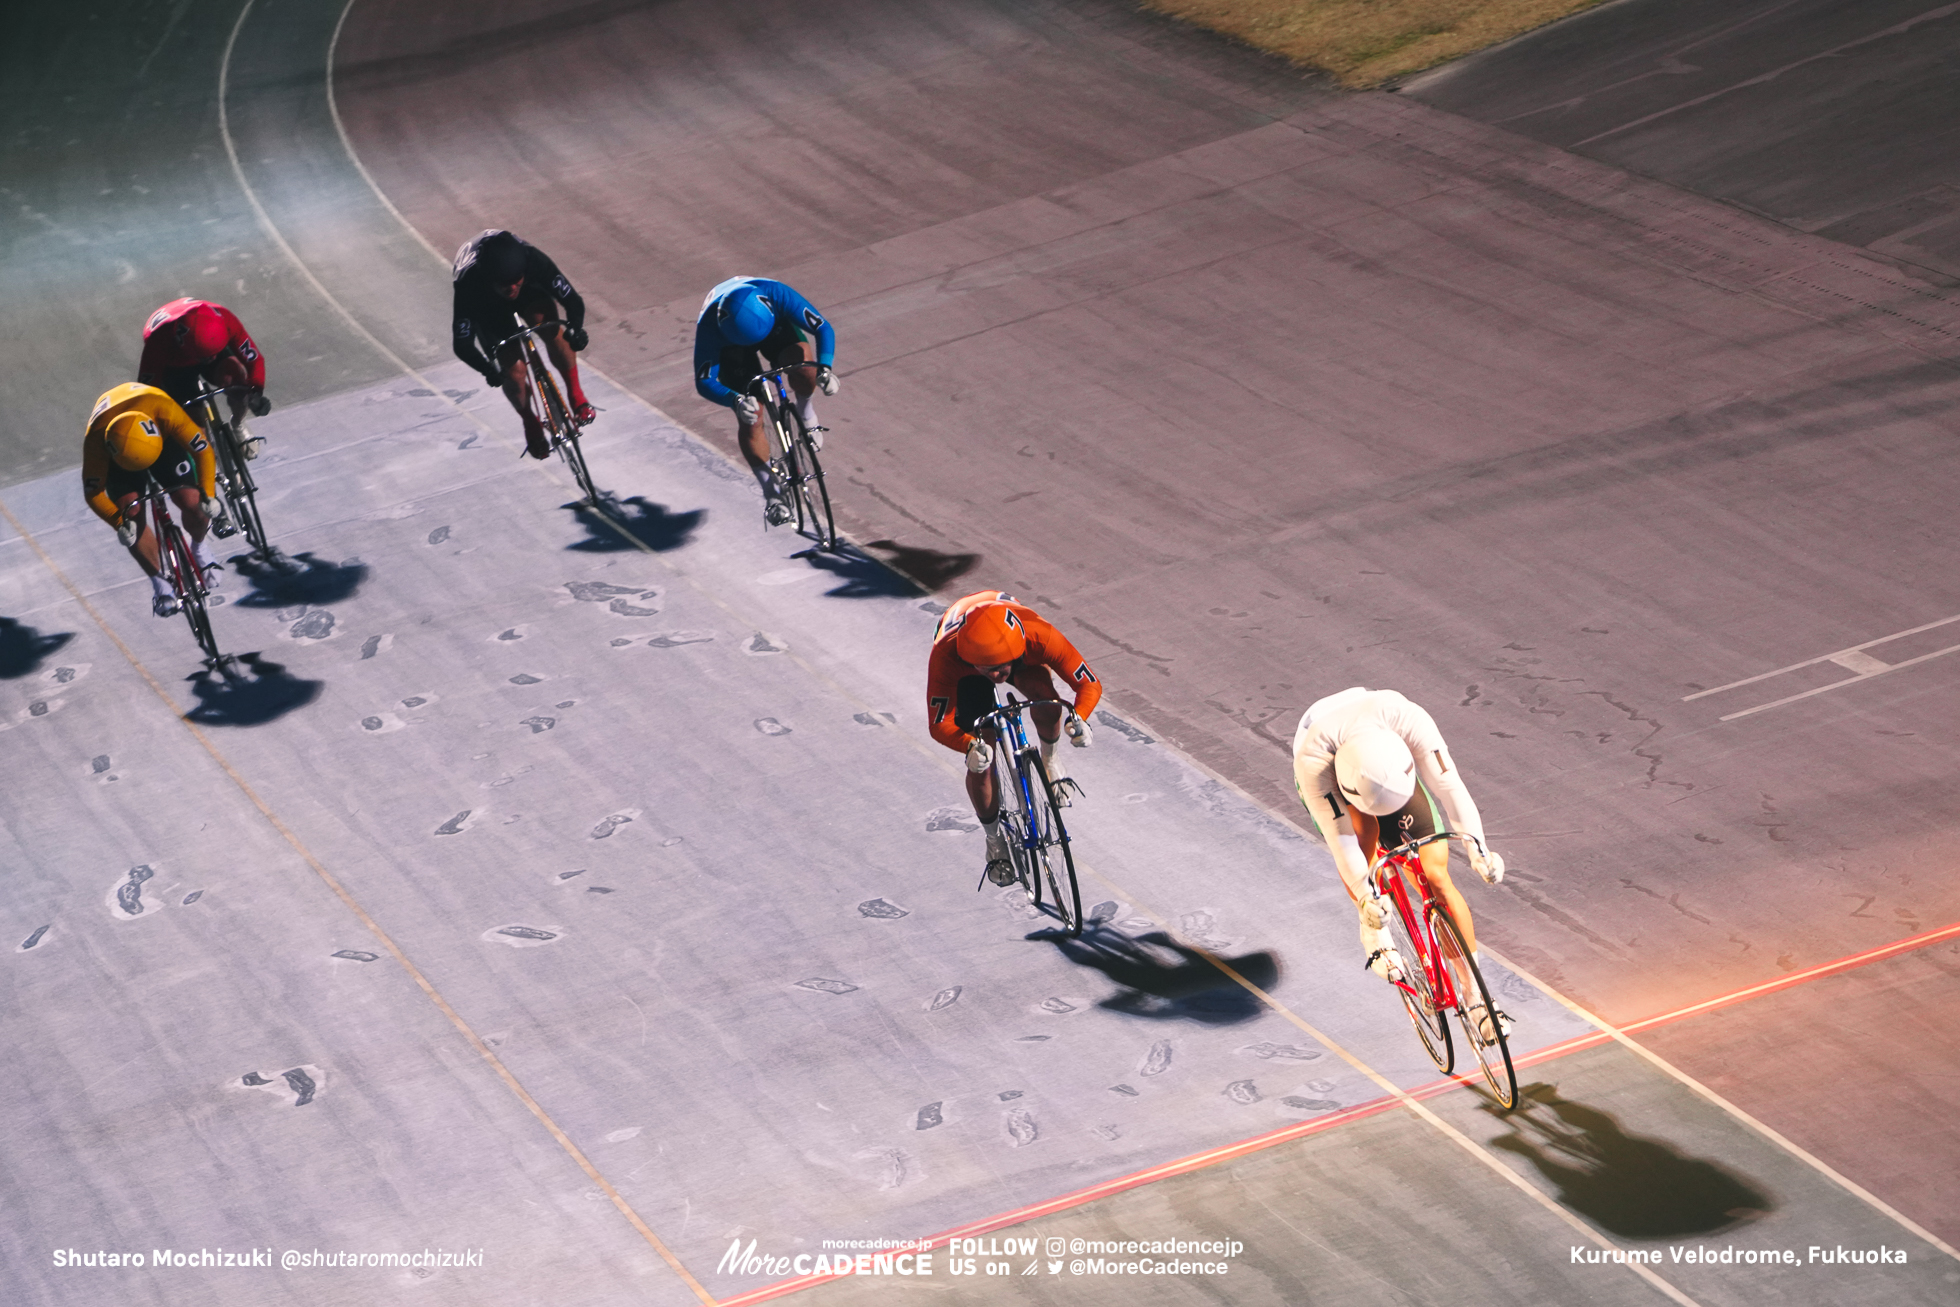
(194, 329)
(990, 636)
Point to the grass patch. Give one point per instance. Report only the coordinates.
(1363, 43)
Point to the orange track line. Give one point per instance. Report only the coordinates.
(1373, 1107)
(1879, 954)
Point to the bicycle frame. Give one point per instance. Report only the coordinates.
(796, 466)
(1017, 764)
(548, 405)
(1007, 721)
(1435, 987)
(235, 485)
(1391, 876)
(178, 566)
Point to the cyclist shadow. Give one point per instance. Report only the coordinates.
(928, 567)
(1626, 1184)
(647, 522)
(863, 577)
(22, 648)
(316, 582)
(1164, 980)
(268, 693)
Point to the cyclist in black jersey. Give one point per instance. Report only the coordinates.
(502, 285)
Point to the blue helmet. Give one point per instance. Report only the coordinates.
(745, 317)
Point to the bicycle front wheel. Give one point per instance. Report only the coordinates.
(180, 567)
(1494, 1057)
(808, 492)
(240, 491)
(1054, 863)
(556, 415)
(1418, 986)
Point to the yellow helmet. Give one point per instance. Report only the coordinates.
(133, 441)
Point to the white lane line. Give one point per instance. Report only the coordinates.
(265, 220)
(1851, 1186)
(1414, 1105)
(1857, 660)
(1829, 657)
(551, 1126)
(347, 144)
(1849, 680)
(1662, 1285)
(1931, 15)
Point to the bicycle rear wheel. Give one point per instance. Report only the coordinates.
(1494, 1057)
(1418, 988)
(180, 567)
(807, 491)
(1054, 864)
(240, 491)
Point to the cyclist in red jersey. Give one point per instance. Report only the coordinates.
(983, 640)
(187, 339)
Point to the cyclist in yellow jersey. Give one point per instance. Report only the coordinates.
(135, 429)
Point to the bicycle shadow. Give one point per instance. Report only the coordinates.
(22, 647)
(651, 524)
(928, 567)
(1166, 981)
(1626, 1184)
(266, 695)
(316, 582)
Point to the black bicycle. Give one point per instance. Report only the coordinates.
(1030, 815)
(793, 460)
(548, 406)
(177, 564)
(235, 483)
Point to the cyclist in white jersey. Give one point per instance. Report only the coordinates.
(1373, 769)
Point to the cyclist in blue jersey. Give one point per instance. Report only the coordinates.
(747, 317)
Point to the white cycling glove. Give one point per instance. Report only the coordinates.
(979, 757)
(128, 531)
(1374, 912)
(746, 409)
(1488, 865)
(827, 381)
(1079, 734)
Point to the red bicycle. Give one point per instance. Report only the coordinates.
(178, 565)
(1439, 974)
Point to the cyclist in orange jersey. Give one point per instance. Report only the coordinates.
(983, 640)
(135, 429)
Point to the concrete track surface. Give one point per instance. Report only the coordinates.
(578, 887)
(1839, 119)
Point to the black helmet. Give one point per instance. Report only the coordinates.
(502, 259)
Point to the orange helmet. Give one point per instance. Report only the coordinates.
(133, 441)
(991, 636)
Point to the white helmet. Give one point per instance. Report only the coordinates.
(1376, 771)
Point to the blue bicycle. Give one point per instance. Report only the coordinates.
(1030, 815)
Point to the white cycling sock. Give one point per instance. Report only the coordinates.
(201, 550)
(806, 411)
(159, 586)
(766, 480)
